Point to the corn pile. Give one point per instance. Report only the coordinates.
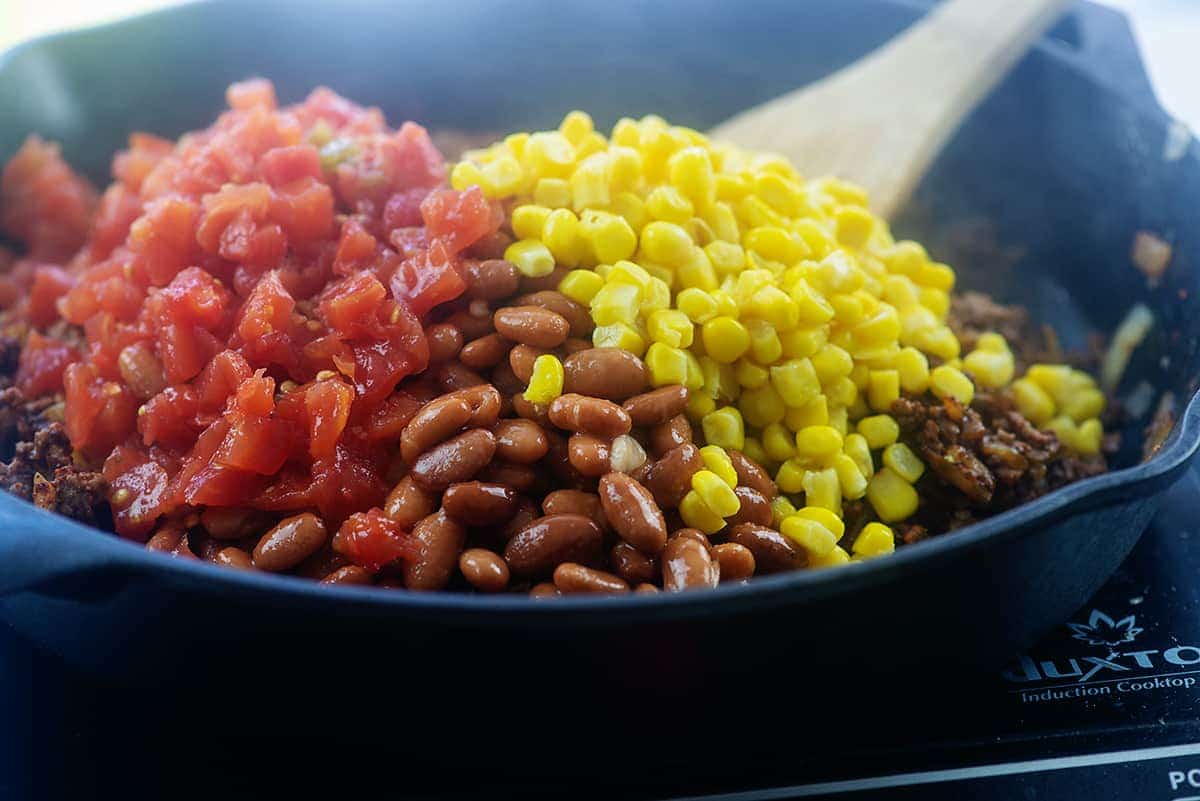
(784, 305)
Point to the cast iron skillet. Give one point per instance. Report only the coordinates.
(1050, 180)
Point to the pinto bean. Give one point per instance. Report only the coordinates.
(289, 543)
(455, 460)
(549, 541)
(440, 540)
(632, 512)
(609, 373)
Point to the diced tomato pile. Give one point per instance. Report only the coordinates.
(250, 297)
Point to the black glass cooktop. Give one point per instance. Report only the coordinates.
(1107, 707)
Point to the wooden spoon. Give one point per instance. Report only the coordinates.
(881, 121)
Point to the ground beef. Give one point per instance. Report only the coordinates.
(39, 466)
(974, 313)
(982, 460)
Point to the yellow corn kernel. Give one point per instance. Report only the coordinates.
(616, 303)
(839, 418)
(631, 208)
(765, 347)
(548, 153)
(561, 235)
(589, 184)
(1083, 404)
(724, 427)
(619, 335)
(834, 558)
(546, 382)
(656, 295)
(1054, 378)
(950, 382)
(803, 342)
(913, 368)
(1065, 428)
(819, 240)
(1088, 437)
(936, 276)
(695, 373)
(906, 464)
(626, 272)
(781, 508)
(1033, 401)
(755, 452)
(670, 327)
(666, 365)
(842, 392)
(464, 175)
(668, 204)
(880, 430)
(814, 538)
(935, 300)
(725, 339)
(847, 309)
(851, 480)
(699, 405)
(698, 305)
(906, 258)
(813, 413)
(991, 342)
(581, 286)
(790, 476)
(818, 443)
(717, 460)
(696, 514)
(778, 442)
(762, 406)
(575, 126)
(626, 133)
(772, 305)
(832, 362)
(881, 328)
(775, 244)
(989, 369)
(875, 539)
(697, 271)
(854, 225)
(552, 193)
(726, 257)
(716, 494)
(900, 291)
(796, 382)
(749, 374)
(825, 517)
(822, 488)
(691, 172)
(501, 176)
(726, 305)
(861, 376)
(856, 447)
(666, 243)
(891, 497)
(719, 379)
(939, 341)
(531, 258)
(883, 389)
(811, 305)
(778, 192)
(529, 220)
(609, 235)
(914, 320)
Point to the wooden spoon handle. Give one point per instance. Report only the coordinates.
(882, 120)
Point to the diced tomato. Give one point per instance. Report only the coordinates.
(255, 444)
(355, 250)
(255, 92)
(193, 297)
(184, 350)
(267, 310)
(327, 404)
(139, 491)
(220, 378)
(460, 219)
(422, 283)
(119, 207)
(284, 165)
(131, 166)
(170, 418)
(304, 207)
(403, 209)
(43, 203)
(380, 365)
(49, 284)
(99, 413)
(163, 239)
(41, 365)
(350, 306)
(372, 540)
(387, 420)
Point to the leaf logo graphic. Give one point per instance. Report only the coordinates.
(1103, 630)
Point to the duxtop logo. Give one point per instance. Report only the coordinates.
(1121, 669)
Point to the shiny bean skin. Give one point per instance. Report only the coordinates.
(323, 562)
(574, 345)
(537, 412)
(475, 503)
(671, 476)
(408, 502)
(349, 575)
(589, 455)
(521, 477)
(632, 512)
(632, 565)
(436, 422)
(440, 540)
(541, 283)
(549, 541)
(491, 279)
(688, 565)
(575, 502)
(772, 551)
(142, 370)
(484, 570)
(445, 341)
(657, 406)
(575, 579)
(470, 326)
(754, 508)
(737, 563)
(751, 475)
(671, 434)
(577, 316)
(521, 359)
(484, 401)
(454, 460)
(233, 557)
(231, 522)
(453, 376)
(531, 325)
(520, 441)
(546, 589)
(586, 415)
(526, 513)
(645, 589)
(289, 543)
(609, 373)
(693, 534)
(506, 381)
(485, 352)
